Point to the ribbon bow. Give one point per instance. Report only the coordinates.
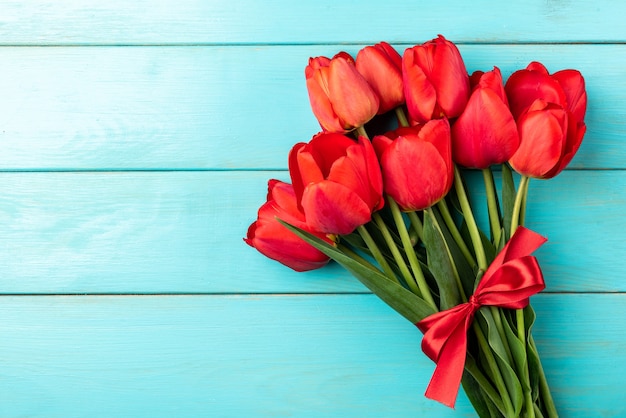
(509, 281)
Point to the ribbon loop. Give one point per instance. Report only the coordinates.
(509, 281)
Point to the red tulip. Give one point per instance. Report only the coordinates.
(341, 99)
(550, 111)
(337, 182)
(549, 139)
(565, 88)
(436, 83)
(416, 164)
(273, 240)
(381, 66)
(486, 132)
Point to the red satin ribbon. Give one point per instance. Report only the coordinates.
(509, 281)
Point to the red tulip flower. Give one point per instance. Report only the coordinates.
(273, 240)
(416, 164)
(550, 111)
(341, 99)
(565, 88)
(549, 139)
(436, 83)
(337, 182)
(485, 133)
(381, 66)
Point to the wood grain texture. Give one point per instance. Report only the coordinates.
(136, 140)
(48, 22)
(227, 107)
(155, 232)
(268, 356)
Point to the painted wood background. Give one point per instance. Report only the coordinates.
(136, 139)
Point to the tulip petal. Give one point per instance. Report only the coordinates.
(485, 133)
(359, 171)
(326, 148)
(354, 101)
(414, 173)
(450, 78)
(524, 87)
(542, 139)
(573, 85)
(420, 94)
(332, 208)
(381, 66)
(275, 241)
(575, 132)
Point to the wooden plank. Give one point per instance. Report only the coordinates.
(200, 107)
(162, 232)
(48, 22)
(268, 356)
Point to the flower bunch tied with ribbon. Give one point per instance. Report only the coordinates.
(388, 189)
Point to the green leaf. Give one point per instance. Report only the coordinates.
(465, 271)
(403, 301)
(508, 198)
(519, 353)
(509, 375)
(439, 263)
(476, 397)
(479, 390)
(534, 362)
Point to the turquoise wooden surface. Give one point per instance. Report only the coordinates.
(136, 139)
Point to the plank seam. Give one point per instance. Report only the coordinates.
(289, 44)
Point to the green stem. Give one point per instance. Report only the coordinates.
(378, 256)
(544, 389)
(516, 220)
(481, 258)
(410, 252)
(456, 235)
(520, 197)
(538, 413)
(522, 211)
(402, 120)
(416, 224)
(391, 244)
(361, 132)
(492, 205)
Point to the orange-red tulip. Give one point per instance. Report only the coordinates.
(381, 66)
(416, 164)
(486, 132)
(337, 182)
(273, 240)
(341, 99)
(436, 83)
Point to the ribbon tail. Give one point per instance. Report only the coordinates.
(446, 380)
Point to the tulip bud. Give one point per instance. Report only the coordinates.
(436, 83)
(273, 240)
(416, 164)
(341, 99)
(337, 182)
(381, 66)
(485, 133)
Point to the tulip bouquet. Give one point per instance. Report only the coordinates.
(385, 190)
